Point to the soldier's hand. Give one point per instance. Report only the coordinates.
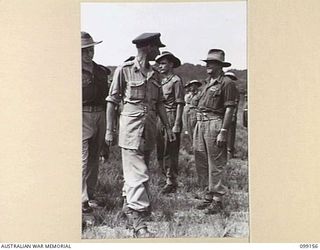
(176, 129)
(221, 138)
(171, 135)
(109, 138)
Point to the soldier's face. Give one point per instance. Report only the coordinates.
(213, 67)
(87, 54)
(165, 66)
(193, 87)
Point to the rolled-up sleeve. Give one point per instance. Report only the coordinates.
(179, 92)
(117, 87)
(230, 94)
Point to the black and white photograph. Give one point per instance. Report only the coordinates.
(164, 120)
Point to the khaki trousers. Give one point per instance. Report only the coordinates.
(136, 175)
(93, 131)
(168, 152)
(209, 158)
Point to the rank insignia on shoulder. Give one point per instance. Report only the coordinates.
(214, 88)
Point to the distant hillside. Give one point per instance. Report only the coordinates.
(188, 72)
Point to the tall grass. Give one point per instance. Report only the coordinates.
(174, 215)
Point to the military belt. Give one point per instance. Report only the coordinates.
(204, 116)
(136, 107)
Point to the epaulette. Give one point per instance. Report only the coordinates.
(228, 79)
(176, 78)
(127, 63)
(101, 69)
(131, 58)
(231, 75)
(105, 69)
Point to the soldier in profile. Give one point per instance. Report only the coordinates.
(137, 86)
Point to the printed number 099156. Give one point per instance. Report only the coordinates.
(313, 246)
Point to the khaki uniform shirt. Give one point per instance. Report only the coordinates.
(217, 94)
(95, 85)
(141, 96)
(191, 99)
(173, 91)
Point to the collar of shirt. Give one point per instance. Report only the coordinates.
(167, 79)
(212, 81)
(137, 68)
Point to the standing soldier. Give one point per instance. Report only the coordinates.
(233, 127)
(173, 92)
(137, 85)
(190, 112)
(215, 109)
(94, 92)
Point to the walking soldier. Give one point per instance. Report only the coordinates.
(137, 86)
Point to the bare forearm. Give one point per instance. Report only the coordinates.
(227, 118)
(179, 113)
(110, 115)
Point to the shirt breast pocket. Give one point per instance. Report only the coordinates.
(167, 90)
(137, 90)
(213, 98)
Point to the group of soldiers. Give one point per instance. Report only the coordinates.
(153, 106)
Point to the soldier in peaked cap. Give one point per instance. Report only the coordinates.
(94, 92)
(137, 85)
(217, 101)
(173, 92)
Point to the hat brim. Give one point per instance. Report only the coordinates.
(176, 61)
(90, 45)
(193, 83)
(223, 64)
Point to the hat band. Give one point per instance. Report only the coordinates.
(214, 58)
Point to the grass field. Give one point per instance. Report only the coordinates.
(174, 215)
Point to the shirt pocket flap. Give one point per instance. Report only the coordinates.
(215, 91)
(136, 83)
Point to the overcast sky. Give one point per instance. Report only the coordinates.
(188, 30)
